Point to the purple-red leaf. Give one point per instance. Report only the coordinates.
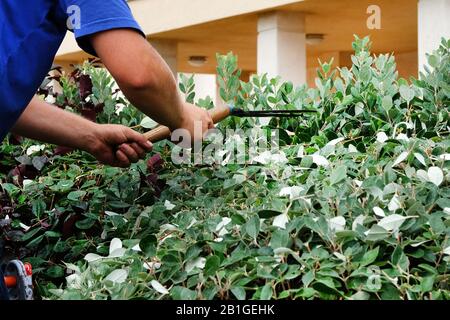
(89, 114)
(155, 163)
(85, 85)
(15, 139)
(22, 172)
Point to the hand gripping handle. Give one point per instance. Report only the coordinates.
(161, 132)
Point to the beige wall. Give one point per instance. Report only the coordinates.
(207, 27)
(157, 16)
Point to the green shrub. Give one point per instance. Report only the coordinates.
(354, 205)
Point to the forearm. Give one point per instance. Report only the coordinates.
(159, 101)
(44, 122)
(142, 75)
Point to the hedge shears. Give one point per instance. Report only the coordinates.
(220, 113)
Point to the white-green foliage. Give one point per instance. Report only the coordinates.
(361, 209)
(354, 205)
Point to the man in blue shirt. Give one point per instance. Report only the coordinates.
(31, 32)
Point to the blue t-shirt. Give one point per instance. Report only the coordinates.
(31, 32)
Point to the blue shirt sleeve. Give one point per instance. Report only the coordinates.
(96, 16)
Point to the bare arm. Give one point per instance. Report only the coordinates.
(111, 144)
(146, 79)
(148, 83)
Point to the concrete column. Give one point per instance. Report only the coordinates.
(168, 49)
(282, 46)
(434, 23)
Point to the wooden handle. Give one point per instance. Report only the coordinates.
(158, 134)
(162, 132)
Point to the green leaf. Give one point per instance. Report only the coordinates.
(193, 252)
(393, 221)
(181, 293)
(347, 100)
(338, 174)
(267, 214)
(148, 245)
(38, 207)
(308, 278)
(148, 123)
(369, 257)
(266, 292)
(170, 260)
(252, 227)
(436, 224)
(407, 93)
(402, 82)
(30, 234)
(403, 262)
(427, 283)
(327, 282)
(272, 100)
(390, 292)
(76, 195)
(400, 259)
(182, 87)
(63, 186)
(289, 87)
(433, 61)
(360, 295)
(377, 233)
(55, 272)
(190, 98)
(326, 67)
(239, 293)
(280, 239)
(237, 179)
(85, 224)
(428, 268)
(306, 293)
(52, 234)
(387, 103)
(211, 266)
(35, 241)
(11, 189)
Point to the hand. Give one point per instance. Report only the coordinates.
(193, 116)
(117, 146)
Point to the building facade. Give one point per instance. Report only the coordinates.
(283, 37)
